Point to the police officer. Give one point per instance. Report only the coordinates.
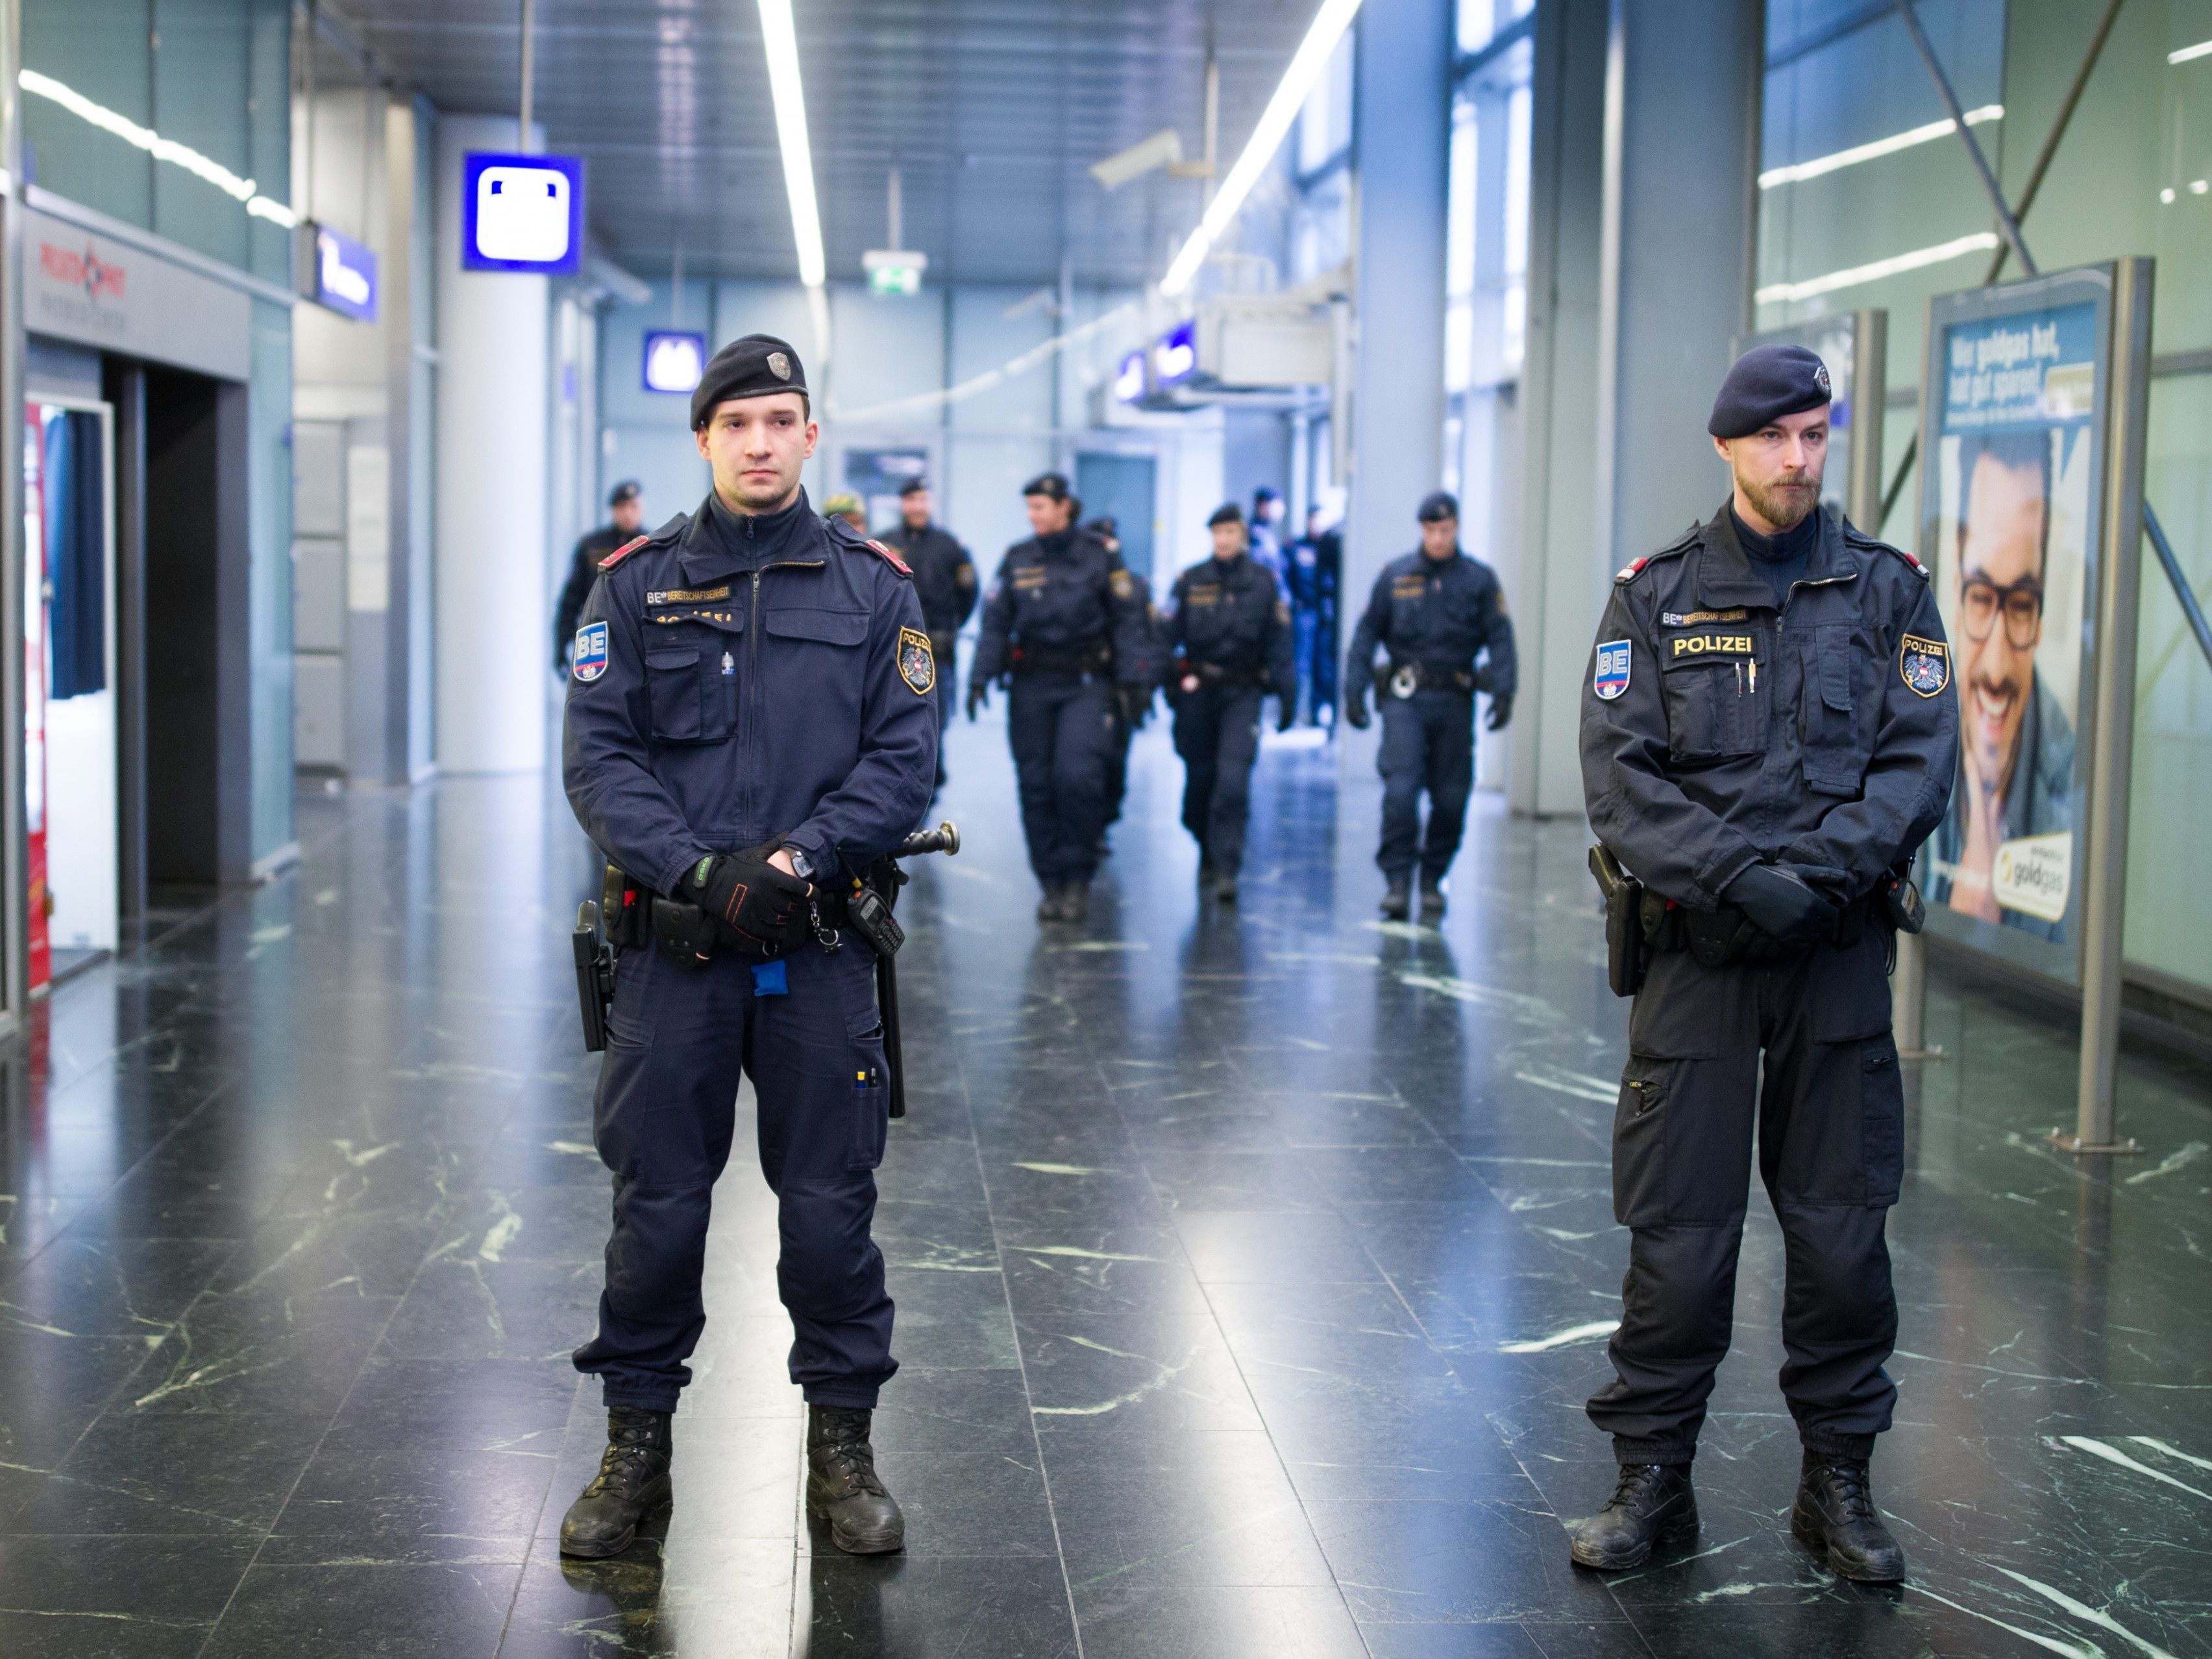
(1229, 628)
(1132, 705)
(1768, 734)
(750, 724)
(1312, 568)
(1436, 610)
(1063, 622)
(944, 581)
(846, 505)
(626, 512)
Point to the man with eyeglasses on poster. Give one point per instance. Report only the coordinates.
(2016, 744)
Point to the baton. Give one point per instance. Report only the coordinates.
(945, 839)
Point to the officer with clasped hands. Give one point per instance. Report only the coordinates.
(751, 721)
(1768, 734)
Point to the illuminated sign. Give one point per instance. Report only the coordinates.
(674, 359)
(522, 213)
(894, 270)
(1174, 358)
(1129, 379)
(345, 275)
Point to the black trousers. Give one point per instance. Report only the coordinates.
(1829, 1123)
(1061, 727)
(677, 1040)
(1428, 744)
(948, 693)
(1217, 733)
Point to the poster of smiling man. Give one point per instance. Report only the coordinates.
(2014, 407)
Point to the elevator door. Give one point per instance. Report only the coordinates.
(68, 671)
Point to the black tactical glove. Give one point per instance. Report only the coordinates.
(979, 695)
(758, 910)
(1501, 711)
(1780, 905)
(1136, 704)
(1355, 709)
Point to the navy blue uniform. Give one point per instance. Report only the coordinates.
(945, 582)
(1227, 630)
(1065, 620)
(1314, 568)
(1718, 730)
(736, 682)
(1434, 617)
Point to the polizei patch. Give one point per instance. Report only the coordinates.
(1610, 679)
(917, 664)
(588, 660)
(1924, 665)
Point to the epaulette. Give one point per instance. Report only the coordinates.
(1634, 568)
(1858, 537)
(892, 559)
(623, 552)
(841, 531)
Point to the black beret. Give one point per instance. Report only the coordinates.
(913, 486)
(1768, 382)
(758, 366)
(1105, 528)
(1050, 485)
(1437, 504)
(1227, 512)
(627, 490)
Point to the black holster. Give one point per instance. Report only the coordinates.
(1625, 957)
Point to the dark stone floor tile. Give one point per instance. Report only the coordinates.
(1271, 1247)
(258, 1351)
(447, 1611)
(83, 1584)
(1120, 1373)
(1410, 1563)
(907, 1608)
(1230, 1621)
(1502, 1639)
(222, 1475)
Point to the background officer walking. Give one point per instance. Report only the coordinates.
(945, 582)
(1229, 628)
(1436, 610)
(1313, 568)
(750, 725)
(1063, 621)
(1768, 735)
(1132, 697)
(626, 512)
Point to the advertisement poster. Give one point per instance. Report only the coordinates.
(2013, 408)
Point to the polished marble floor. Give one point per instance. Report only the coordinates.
(1251, 1270)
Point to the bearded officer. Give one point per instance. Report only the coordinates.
(1436, 611)
(1768, 735)
(1228, 629)
(1064, 624)
(944, 581)
(750, 724)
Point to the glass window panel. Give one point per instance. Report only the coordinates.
(1460, 226)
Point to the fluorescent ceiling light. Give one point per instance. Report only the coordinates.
(2201, 49)
(1327, 29)
(1889, 146)
(160, 149)
(1982, 241)
(783, 82)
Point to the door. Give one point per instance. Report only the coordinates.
(1121, 487)
(69, 771)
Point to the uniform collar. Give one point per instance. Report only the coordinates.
(1727, 577)
(1060, 542)
(719, 543)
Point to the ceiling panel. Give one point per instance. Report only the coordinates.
(991, 110)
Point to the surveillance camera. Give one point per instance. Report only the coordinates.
(1163, 149)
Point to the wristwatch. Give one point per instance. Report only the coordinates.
(799, 865)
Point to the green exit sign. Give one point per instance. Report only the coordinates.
(895, 271)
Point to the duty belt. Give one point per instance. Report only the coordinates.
(1724, 935)
(1214, 673)
(1404, 676)
(1078, 659)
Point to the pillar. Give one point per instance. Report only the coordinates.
(492, 618)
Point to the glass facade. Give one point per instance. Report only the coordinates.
(1869, 198)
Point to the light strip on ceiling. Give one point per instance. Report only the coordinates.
(1327, 29)
(1982, 241)
(782, 41)
(1880, 147)
(2201, 49)
(160, 149)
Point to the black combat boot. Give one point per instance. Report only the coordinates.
(1835, 1513)
(1397, 900)
(1074, 901)
(1048, 906)
(1224, 887)
(1206, 874)
(842, 1484)
(1433, 900)
(1650, 1503)
(632, 1482)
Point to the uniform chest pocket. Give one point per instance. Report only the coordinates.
(1835, 754)
(691, 698)
(1717, 709)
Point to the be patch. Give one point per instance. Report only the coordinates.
(588, 660)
